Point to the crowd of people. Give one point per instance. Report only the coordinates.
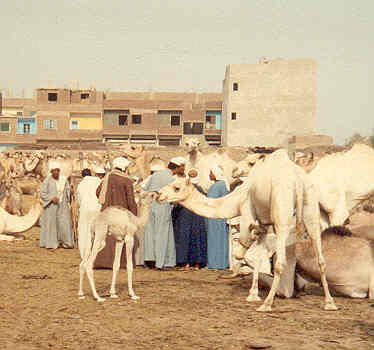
(174, 237)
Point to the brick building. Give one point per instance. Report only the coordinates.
(68, 116)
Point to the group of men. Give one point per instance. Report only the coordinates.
(172, 236)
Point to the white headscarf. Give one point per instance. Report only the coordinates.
(178, 161)
(54, 165)
(157, 167)
(220, 175)
(121, 163)
(99, 170)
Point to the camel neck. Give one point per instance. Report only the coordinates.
(225, 207)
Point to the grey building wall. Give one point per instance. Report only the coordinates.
(274, 101)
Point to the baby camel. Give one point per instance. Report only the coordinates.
(123, 225)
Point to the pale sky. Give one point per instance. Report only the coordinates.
(175, 45)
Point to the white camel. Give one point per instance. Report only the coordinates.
(123, 225)
(275, 188)
(18, 224)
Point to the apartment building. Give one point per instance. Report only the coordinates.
(68, 116)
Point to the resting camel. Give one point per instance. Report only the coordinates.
(123, 225)
(275, 188)
(350, 267)
(17, 224)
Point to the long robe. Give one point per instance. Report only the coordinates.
(217, 233)
(120, 192)
(190, 236)
(89, 208)
(55, 222)
(158, 242)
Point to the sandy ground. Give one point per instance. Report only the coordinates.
(40, 309)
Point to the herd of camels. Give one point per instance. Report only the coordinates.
(278, 201)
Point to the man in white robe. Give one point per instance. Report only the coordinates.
(89, 208)
(56, 222)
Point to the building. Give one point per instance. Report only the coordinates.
(265, 104)
(66, 116)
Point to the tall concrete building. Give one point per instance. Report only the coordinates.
(265, 104)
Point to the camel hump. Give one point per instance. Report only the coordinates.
(338, 231)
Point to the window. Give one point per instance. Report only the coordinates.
(233, 116)
(4, 127)
(122, 120)
(52, 96)
(85, 96)
(19, 114)
(190, 128)
(27, 128)
(136, 119)
(235, 87)
(74, 124)
(50, 124)
(175, 120)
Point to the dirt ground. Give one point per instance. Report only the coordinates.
(40, 309)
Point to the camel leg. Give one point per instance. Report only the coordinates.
(253, 292)
(312, 223)
(371, 287)
(129, 249)
(98, 245)
(282, 233)
(116, 266)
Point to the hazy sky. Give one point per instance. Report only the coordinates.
(177, 45)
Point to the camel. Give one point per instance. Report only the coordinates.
(194, 154)
(17, 224)
(275, 188)
(28, 184)
(339, 192)
(11, 197)
(123, 225)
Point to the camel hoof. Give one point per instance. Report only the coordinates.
(114, 296)
(252, 298)
(264, 308)
(330, 306)
(100, 300)
(81, 297)
(134, 297)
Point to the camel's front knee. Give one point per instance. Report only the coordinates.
(279, 267)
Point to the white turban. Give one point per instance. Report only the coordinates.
(178, 161)
(157, 167)
(121, 163)
(54, 165)
(220, 175)
(99, 170)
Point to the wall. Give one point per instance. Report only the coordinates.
(274, 101)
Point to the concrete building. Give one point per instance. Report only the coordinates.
(265, 104)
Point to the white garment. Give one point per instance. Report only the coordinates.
(89, 208)
(60, 185)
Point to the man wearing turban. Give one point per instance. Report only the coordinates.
(56, 223)
(116, 189)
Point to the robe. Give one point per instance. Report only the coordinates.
(120, 192)
(56, 225)
(190, 236)
(89, 208)
(217, 233)
(158, 242)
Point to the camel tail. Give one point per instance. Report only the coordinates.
(338, 231)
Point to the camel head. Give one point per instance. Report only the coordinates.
(192, 144)
(244, 166)
(177, 191)
(132, 151)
